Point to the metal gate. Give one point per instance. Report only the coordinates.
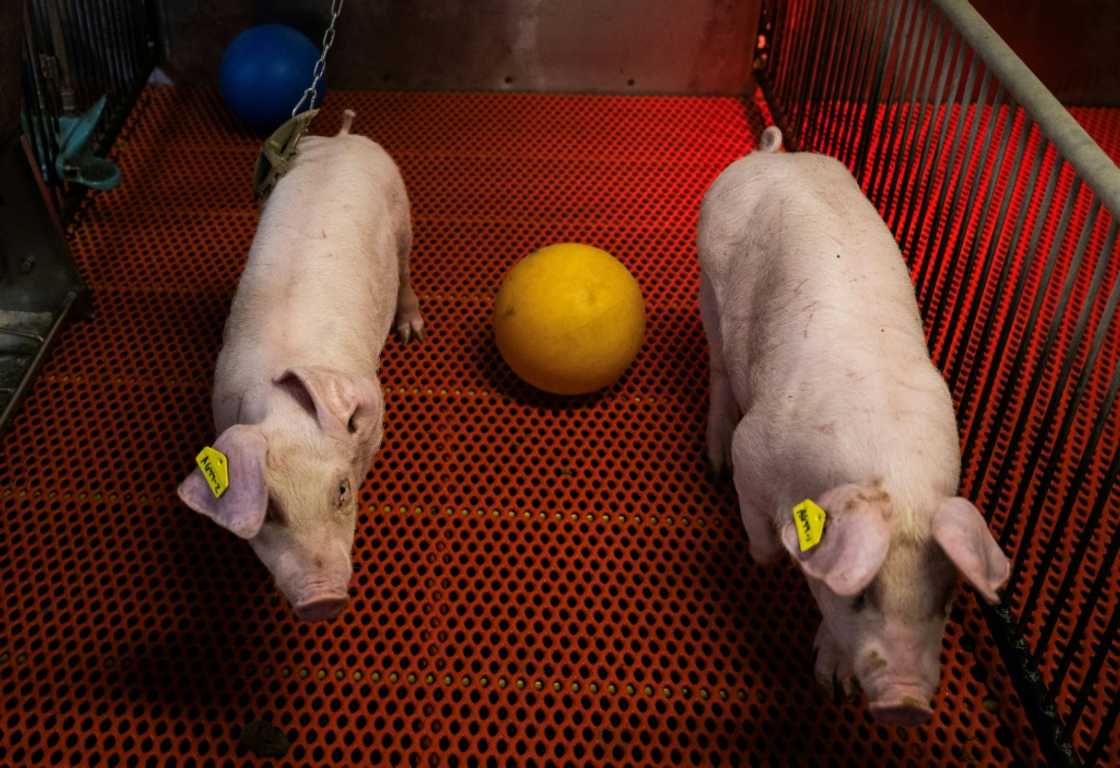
(74, 53)
(83, 63)
(1007, 213)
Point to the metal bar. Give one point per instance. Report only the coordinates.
(851, 20)
(44, 108)
(892, 96)
(946, 230)
(993, 243)
(36, 361)
(899, 217)
(816, 84)
(794, 68)
(986, 448)
(777, 62)
(927, 272)
(127, 14)
(1005, 272)
(857, 95)
(1055, 122)
(1067, 368)
(97, 73)
(116, 62)
(120, 28)
(21, 335)
(1091, 527)
(85, 61)
(801, 105)
(871, 116)
(1095, 589)
(32, 106)
(1036, 377)
(832, 33)
(895, 139)
(978, 230)
(62, 59)
(1071, 408)
(920, 107)
(904, 235)
(1020, 286)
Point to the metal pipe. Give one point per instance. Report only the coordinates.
(993, 242)
(1001, 281)
(898, 139)
(927, 276)
(1089, 160)
(857, 98)
(871, 114)
(901, 184)
(1092, 523)
(1055, 399)
(1021, 284)
(955, 54)
(981, 222)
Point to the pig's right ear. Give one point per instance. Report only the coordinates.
(243, 505)
(853, 547)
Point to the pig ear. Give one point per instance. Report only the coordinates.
(242, 507)
(343, 404)
(852, 549)
(960, 530)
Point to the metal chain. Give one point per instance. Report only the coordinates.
(321, 64)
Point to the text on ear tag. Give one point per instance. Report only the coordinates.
(215, 468)
(809, 519)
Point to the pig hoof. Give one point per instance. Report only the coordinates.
(719, 449)
(831, 669)
(410, 327)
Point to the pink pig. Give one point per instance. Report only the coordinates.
(822, 388)
(297, 404)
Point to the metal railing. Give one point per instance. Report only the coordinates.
(74, 52)
(1007, 213)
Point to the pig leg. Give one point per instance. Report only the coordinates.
(408, 321)
(765, 547)
(831, 667)
(723, 412)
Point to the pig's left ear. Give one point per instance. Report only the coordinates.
(854, 545)
(343, 404)
(243, 505)
(960, 530)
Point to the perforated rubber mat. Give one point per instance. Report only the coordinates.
(538, 582)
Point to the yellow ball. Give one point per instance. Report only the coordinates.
(569, 319)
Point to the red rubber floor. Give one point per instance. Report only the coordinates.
(536, 582)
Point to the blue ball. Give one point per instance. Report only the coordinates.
(264, 72)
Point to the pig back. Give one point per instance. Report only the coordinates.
(321, 281)
(821, 332)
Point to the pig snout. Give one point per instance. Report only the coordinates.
(320, 608)
(321, 599)
(902, 704)
(316, 587)
(899, 692)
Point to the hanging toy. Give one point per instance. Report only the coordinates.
(279, 149)
(264, 70)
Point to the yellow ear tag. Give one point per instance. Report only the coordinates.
(809, 520)
(215, 468)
